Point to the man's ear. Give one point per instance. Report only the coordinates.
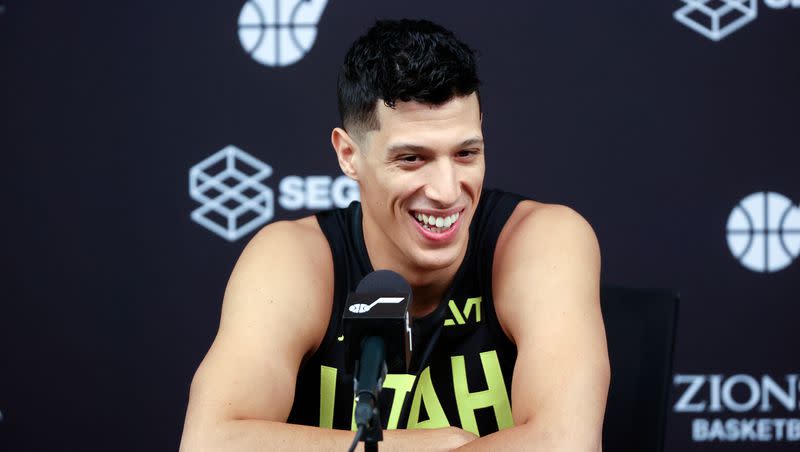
(347, 152)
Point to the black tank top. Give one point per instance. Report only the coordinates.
(462, 362)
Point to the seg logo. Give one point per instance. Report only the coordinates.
(234, 200)
(229, 187)
(716, 19)
(764, 232)
(279, 32)
(317, 192)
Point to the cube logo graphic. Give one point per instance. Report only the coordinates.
(716, 19)
(229, 186)
(279, 32)
(764, 232)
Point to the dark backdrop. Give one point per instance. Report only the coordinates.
(112, 292)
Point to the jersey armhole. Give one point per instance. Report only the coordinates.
(334, 319)
(500, 211)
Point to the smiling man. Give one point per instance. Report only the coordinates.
(510, 348)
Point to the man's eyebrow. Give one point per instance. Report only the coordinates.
(471, 142)
(399, 147)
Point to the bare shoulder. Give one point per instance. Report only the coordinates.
(547, 229)
(284, 236)
(298, 244)
(547, 256)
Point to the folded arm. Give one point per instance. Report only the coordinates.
(275, 313)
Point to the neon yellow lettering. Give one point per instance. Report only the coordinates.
(456, 315)
(327, 395)
(495, 396)
(427, 395)
(401, 383)
(473, 302)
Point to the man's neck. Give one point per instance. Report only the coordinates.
(428, 285)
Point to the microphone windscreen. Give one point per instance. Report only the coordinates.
(379, 307)
(383, 281)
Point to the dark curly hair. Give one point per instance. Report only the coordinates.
(402, 60)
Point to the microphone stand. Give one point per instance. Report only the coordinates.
(377, 322)
(368, 384)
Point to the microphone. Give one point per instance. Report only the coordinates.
(377, 328)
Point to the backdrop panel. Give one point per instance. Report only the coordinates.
(676, 138)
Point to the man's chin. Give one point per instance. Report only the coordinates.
(434, 260)
(428, 255)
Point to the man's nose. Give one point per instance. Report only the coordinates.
(443, 186)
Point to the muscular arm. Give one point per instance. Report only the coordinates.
(546, 291)
(275, 312)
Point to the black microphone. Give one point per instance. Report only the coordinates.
(377, 329)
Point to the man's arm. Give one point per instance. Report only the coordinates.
(276, 310)
(546, 291)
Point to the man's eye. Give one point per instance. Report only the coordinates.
(410, 158)
(465, 153)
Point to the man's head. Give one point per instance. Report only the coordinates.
(412, 138)
(405, 60)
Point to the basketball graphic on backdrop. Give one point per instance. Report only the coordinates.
(763, 232)
(279, 32)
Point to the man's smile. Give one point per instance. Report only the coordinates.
(437, 226)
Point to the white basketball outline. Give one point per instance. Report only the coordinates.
(765, 232)
(291, 24)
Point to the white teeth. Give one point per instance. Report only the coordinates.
(438, 223)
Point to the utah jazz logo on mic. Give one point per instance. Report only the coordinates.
(360, 308)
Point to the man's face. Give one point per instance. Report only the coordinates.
(421, 175)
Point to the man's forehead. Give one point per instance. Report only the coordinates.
(425, 125)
